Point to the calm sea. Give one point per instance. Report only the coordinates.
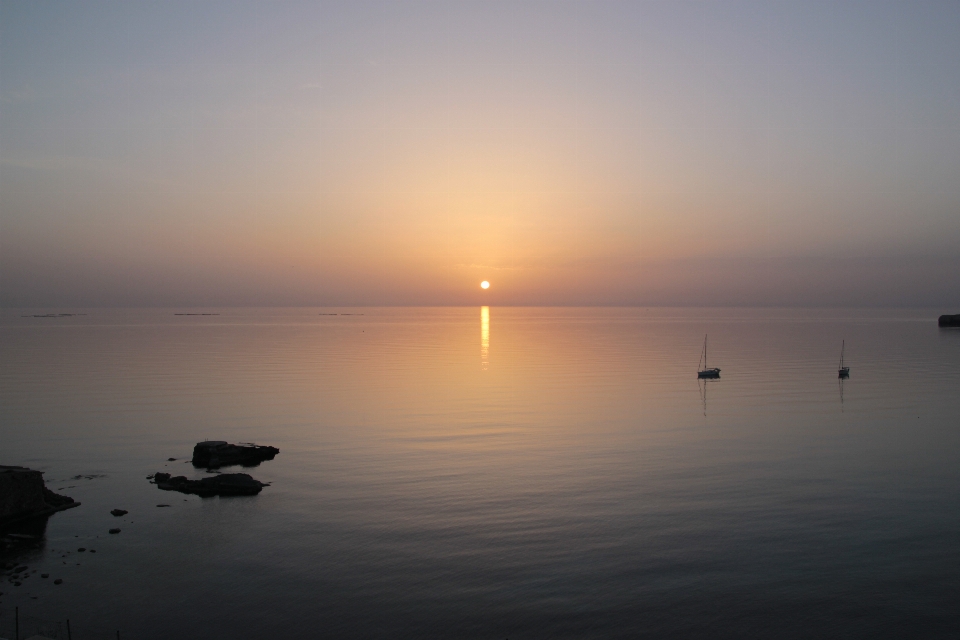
(494, 473)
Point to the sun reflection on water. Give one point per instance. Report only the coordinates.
(484, 337)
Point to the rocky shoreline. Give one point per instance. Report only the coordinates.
(23, 495)
(26, 504)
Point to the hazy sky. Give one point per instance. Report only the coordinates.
(590, 152)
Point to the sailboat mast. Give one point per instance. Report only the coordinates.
(706, 371)
(843, 345)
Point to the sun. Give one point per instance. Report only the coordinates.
(484, 285)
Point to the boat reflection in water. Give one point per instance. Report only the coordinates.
(484, 337)
(702, 385)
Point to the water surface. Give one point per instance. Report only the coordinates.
(493, 473)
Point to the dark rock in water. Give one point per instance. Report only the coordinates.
(44, 575)
(58, 581)
(949, 321)
(171, 459)
(119, 512)
(227, 484)
(81, 549)
(163, 505)
(114, 531)
(23, 495)
(213, 454)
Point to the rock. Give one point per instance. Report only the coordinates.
(227, 484)
(44, 575)
(114, 531)
(171, 459)
(119, 512)
(58, 581)
(949, 321)
(213, 454)
(23, 495)
(82, 549)
(21, 569)
(163, 505)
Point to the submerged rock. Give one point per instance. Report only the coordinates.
(23, 495)
(119, 512)
(227, 484)
(212, 454)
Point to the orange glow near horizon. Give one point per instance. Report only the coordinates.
(580, 153)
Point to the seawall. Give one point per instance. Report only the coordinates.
(949, 321)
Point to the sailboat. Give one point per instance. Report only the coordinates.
(706, 372)
(843, 372)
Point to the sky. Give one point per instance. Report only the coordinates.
(398, 153)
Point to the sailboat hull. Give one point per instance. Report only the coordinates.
(843, 372)
(706, 372)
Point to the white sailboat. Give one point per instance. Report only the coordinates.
(843, 372)
(706, 372)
